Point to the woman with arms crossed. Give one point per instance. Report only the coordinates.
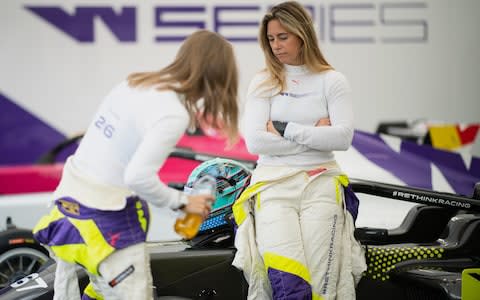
(100, 218)
(298, 112)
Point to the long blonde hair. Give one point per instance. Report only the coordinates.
(204, 68)
(296, 20)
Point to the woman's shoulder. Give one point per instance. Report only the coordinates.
(334, 76)
(163, 102)
(335, 80)
(259, 76)
(256, 81)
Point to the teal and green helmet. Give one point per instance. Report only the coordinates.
(231, 178)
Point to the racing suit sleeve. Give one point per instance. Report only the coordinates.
(141, 172)
(337, 136)
(257, 139)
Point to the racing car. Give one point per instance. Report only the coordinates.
(433, 254)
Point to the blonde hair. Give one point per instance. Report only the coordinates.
(295, 19)
(204, 68)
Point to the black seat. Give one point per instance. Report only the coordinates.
(422, 224)
(476, 191)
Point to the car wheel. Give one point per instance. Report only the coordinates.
(19, 262)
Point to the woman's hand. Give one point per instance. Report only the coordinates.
(199, 204)
(271, 128)
(323, 122)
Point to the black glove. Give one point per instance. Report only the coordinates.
(280, 126)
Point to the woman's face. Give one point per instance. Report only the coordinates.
(285, 45)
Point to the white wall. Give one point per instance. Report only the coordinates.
(436, 77)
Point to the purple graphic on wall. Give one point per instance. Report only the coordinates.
(337, 23)
(24, 138)
(80, 27)
(412, 164)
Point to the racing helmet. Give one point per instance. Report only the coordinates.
(231, 179)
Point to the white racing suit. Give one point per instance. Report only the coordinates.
(304, 247)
